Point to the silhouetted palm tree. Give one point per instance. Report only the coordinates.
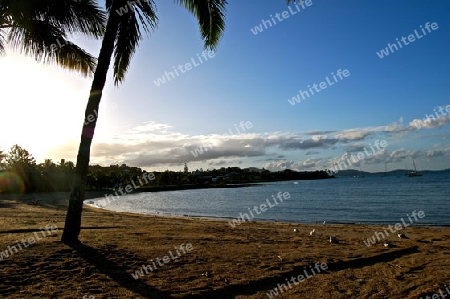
(122, 36)
(40, 28)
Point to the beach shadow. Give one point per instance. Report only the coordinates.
(117, 271)
(6, 205)
(54, 200)
(32, 230)
(372, 260)
(269, 283)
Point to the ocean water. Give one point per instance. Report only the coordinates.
(369, 200)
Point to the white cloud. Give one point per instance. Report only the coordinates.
(429, 122)
(354, 134)
(155, 144)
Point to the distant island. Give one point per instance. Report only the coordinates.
(392, 173)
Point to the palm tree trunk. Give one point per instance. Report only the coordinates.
(72, 225)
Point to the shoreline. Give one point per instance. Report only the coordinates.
(258, 220)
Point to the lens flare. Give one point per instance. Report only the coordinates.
(11, 183)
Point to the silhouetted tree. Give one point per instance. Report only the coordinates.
(46, 173)
(22, 163)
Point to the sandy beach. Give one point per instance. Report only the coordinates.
(138, 256)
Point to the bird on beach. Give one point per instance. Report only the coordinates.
(386, 244)
(401, 235)
(295, 230)
(312, 232)
(333, 240)
(323, 222)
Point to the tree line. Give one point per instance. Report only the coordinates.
(19, 173)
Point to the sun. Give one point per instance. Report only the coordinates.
(41, 105)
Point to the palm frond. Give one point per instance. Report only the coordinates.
(146, 12)
(4, 21)
(48, 44)
(74, 58)
(141, 13)
(40, 29)
(35, 37)
(2, 42)
(70, 15)
(109, 3)
(210, 15)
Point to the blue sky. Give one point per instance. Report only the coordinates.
(250, 79)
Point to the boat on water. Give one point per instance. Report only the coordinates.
(413, 173)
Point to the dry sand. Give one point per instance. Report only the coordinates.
(225, 262)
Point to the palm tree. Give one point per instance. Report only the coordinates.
(41, 28)
(122, 36)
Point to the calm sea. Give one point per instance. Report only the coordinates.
(367, 200)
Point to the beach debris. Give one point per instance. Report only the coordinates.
(312, 232)
(295, 230)
(35, 202)
(333, 240)
(386, 244)
(280, 258)
(207, 273)
(401, 235)
(393, 265)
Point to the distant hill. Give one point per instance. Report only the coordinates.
(396, 172)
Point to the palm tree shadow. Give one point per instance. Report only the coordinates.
(6, 205)
(116, 271)
(268, 283)
(32, 230)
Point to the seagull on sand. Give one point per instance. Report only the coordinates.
(401, 235)
(323, 222)
(333, 240)
(312, 232)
